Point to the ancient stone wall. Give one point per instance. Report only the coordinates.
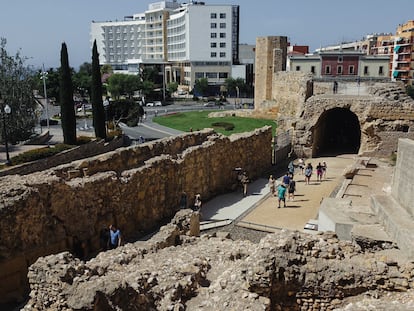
(86, 150)
(284, 271)
(270, 58)
(383, 119)
(136, 187)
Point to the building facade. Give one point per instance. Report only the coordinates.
(191, 41)
(344, 65)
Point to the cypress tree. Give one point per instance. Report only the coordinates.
(67, 109)
(96, 96)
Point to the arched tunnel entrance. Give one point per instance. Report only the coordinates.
(336, 132)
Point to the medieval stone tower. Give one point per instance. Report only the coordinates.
(271, 54)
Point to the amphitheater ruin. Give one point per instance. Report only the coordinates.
(44, 213)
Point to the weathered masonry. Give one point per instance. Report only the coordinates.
(137, 188)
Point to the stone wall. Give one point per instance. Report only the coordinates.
(284, 271)
(403, 178)
(270, 58)
(86, 150)
(136, 187)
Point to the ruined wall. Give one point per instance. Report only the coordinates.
(284, 271)
(270, 58)
(403, 178)
(136, 187)
(384, 116)
(79, 152)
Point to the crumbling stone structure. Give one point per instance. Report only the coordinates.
(137, 188)
(326, 123)
(285, 271)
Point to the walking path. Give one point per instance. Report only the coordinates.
(259, 209)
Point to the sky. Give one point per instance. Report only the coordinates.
(37, 29)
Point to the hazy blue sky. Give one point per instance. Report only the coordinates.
(38, 27)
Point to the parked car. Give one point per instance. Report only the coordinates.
(86, 106)
(210, 104)
(150, 105)
(158, 103)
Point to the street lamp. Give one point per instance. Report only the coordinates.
(6, 111)
(44, 77)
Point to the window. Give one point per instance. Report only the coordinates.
(222, 44)
(223, 75)
(213, 44)
(297, 68)
(213, 54)
(339, 69)
(313, 69)
(222, 54)
(351, 70)
(213, 25)
(199, 75)
(381, 70)
(213, 35)
(211, 75)
(222, 25)
(328, 70)
(222, 34)
(340, 59)
(213, 15)
(365, 70)
(222, 15)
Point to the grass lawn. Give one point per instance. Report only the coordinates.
(197, 120)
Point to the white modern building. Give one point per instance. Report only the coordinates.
(189, 41)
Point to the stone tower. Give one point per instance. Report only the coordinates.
(271, 54)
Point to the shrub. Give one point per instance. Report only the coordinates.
(37, 154)
(226, 125)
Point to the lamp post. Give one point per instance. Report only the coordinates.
(44, 77)
(6, 111)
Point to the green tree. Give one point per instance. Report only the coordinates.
(82, 79)
(172, 87)
(96, 96)
(123, 84)
(67, 110)
(232, 85)
(201, 86)
(16, 90)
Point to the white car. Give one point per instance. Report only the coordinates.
(158, 104)
(150, 105)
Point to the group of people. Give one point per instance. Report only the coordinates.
(288, 184)
(197, 202)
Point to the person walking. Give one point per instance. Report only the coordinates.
(244, 181)
(291, 189)
(272, 185)
(286, 179)
(301, 165)
(308, 173)
(183, 200)
(324, 168)
(319, 172)
(281, 195)
(197, 203)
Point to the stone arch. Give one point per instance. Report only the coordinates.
(337, 131)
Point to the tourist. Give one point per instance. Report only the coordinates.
(197, 203)
(281, 194)
(244, 181)
(335, 87)
(308, 173)
(103, 239)
(319, 172)
(291, 190)
(291, 168)
(301, 165)
(115, 239)
(286, 179)
(324, 168)
(272, 185)
(183, 200)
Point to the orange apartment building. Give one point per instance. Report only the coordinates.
(400, 48)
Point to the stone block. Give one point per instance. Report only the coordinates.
(333, 217)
